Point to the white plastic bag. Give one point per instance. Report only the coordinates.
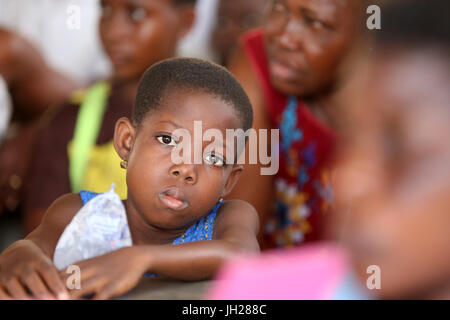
(99, 227)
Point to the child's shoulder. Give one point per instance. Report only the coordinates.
(57, 217)
(65, 207)
(236, 213)
(231, 205)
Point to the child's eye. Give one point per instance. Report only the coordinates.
(214, 159)
(167, 140)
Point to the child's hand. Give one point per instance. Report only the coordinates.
(25, 266)
(110, 275)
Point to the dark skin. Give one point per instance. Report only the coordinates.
(34, 88)
(136, 34)
(392, 182)
(153, 224)
(306, 42)
(233, 19)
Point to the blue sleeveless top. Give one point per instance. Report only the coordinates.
(201, 230)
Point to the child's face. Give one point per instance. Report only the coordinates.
(138, 33)
(306, 41)
(154, 180)
(395, 174)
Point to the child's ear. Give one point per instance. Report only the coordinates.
(124, 134)
(232, 179)
(186, 20)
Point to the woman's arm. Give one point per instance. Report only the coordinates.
(36, 90)
(34, 85)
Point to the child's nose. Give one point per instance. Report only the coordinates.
(187, 172)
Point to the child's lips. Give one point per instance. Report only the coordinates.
(173, 198)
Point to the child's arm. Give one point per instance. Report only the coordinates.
(27, 264)
(235, 231)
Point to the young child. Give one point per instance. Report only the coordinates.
(392, 183)
(290, 70)
(167, 203)
(76, 151)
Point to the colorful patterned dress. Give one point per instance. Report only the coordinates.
(302, 189)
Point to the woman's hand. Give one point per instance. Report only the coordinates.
(110, 275)
(27, 273)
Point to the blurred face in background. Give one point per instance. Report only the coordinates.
(393, 183)
(137, 33)
(306, 41)
(234, 17)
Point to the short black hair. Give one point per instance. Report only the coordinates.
(415, 22)
(190, 74)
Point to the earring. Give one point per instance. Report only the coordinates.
(124, 164)
(220, 200)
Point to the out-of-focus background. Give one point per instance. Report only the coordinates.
(61, 40)
(359, 92)
(77, 53)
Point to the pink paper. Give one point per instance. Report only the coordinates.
(311, 272)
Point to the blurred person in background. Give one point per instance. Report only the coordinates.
(5, 108)
(392, 181)
(31, 89)
(235, 17)
(61, 43)
(65, 35)
(197, 43)
(64, 32)
(5, 114)
(75, 151)
(290, 69)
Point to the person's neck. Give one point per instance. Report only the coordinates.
(127, 88)
(324, 106)
(143, 233)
